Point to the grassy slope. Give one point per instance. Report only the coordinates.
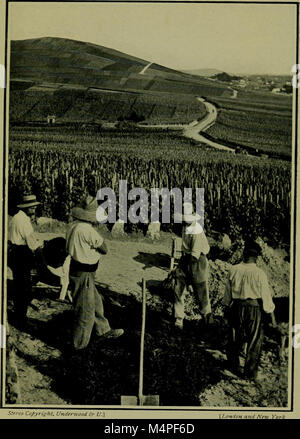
(64, 60)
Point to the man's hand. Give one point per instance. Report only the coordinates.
(102, 249)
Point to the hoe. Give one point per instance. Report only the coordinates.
(141, 399)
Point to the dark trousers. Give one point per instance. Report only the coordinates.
(20, 260)
(245, 320)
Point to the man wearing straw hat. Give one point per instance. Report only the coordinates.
(194, 264)
(85, 245)
(21, 256)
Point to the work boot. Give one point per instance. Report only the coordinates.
(255, 377)
(113, 333)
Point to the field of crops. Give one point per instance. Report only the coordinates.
(96, 105)
(245, 196)
(257, 102)
(266, 126)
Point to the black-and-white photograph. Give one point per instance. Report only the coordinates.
(149, 207)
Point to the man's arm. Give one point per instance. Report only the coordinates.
(97, 242)
(227, 299)
(204, 244)
(26, 231)
(266, 294)
(102, 249)
(272, 315)
(199, 245)
(32, 242)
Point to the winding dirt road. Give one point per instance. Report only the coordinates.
(194, 129)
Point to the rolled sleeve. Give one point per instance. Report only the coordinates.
(27, 233)
(204, 244)
(94, 239)
(29, 236)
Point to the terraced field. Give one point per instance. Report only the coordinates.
(95, 105)
(265, 125)
(64, 61)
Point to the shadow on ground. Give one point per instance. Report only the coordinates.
(159, 260)
(176, 365)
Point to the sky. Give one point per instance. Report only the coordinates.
(236, 38)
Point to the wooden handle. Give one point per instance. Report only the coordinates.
(173, 248)
(141, 380)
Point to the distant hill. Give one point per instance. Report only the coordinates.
(225, 77)
(50, 60)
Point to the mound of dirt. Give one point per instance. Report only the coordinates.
(269, 391)
(273, 262)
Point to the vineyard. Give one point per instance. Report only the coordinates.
(83, 117)
(245, 196)
(266, 126)
(98, 105)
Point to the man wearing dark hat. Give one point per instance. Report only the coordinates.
(247, 295)
(23, 244)
(85, 245)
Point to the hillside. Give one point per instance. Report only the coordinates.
(64, 61)
(84, 82)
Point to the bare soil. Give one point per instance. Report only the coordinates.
(184, 368)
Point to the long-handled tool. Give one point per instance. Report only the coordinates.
(141, 399)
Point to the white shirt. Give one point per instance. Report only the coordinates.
(82, 242)
(194, 241)
(248, 281)
(21, 231)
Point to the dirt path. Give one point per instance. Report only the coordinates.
(193, 131)
(144, 69)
